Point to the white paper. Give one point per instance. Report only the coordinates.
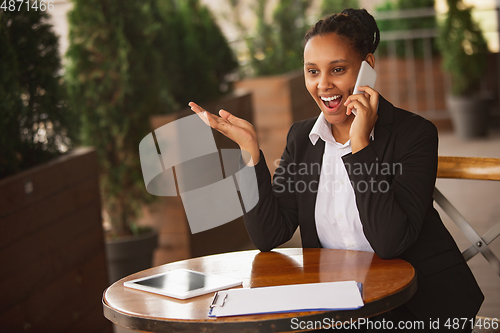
(343, 295)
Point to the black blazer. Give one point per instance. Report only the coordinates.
(396, 209)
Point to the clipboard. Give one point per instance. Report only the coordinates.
(344, 295)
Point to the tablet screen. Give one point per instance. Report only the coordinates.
(182, 283)
(176, 281)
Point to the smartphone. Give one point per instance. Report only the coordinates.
(366, 77)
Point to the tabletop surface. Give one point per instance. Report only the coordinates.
(386, 284)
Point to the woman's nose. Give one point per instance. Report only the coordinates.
(324, 83)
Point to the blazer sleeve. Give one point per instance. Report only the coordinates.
(393, 195)
(274, 219)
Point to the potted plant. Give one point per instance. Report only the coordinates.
(114, 84)
(464, 51)
(36, 123)
(49, 198)
(128, 61)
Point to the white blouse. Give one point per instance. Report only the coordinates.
(336, 213)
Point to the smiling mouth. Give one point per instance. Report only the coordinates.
(331, 102)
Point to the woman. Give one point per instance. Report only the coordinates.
(374, 189)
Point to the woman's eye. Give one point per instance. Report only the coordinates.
(338, 70)
(313, 71)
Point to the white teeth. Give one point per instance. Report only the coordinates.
(328, 99)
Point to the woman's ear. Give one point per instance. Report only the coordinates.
(370, 59)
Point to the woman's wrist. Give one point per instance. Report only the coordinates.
(359, 143)
(251, 154)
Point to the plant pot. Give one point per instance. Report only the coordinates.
(128, 255)
(469, 116)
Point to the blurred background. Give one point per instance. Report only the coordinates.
(84, 81)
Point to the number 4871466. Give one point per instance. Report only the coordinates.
(480, 323)
(18, 5)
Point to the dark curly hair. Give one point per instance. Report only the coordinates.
(357, 26)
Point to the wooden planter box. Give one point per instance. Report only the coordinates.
(167, 215)
(52, 248)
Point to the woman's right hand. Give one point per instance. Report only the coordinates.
(236, 129)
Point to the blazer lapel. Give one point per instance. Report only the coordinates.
(314, 158)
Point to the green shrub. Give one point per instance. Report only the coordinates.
(329, 7)
(203, 54)
(277, 46)
(129, 60)
(274, 47)
(36, 123)
(463, 48)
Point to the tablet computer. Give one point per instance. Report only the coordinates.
(182, 283)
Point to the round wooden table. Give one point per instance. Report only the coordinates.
(386, 285)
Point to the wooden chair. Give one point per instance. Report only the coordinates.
(470, 168)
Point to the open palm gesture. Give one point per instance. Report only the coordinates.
(237, 129)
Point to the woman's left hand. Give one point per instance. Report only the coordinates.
(366, 116)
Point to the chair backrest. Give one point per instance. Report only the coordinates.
(478, 168)
(481, 168)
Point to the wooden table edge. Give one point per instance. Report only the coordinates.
(151, 324)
